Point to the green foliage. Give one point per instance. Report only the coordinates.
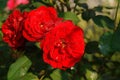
(118, 0)
(83, 5)
(37, 4)
(92, 47)
(98, 8)
(70, 16)
(91, 75)
(105, 43)
(19, 68)
(88, 14)
(104, 21)
(2, 4)
(58, 75)
(116, 39)
(29, 76)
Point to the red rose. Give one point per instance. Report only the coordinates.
(12, 29)
(63, 45)
(40, 21)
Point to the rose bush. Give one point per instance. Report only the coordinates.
(62, 42)
(46, 47)
(63, 46)
(12, 29)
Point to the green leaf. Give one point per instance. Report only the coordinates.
(88, 14)
(91, 75)
(45, 1)
(70, 16)
(2, 18)
(37, 4)
(2, 5)
(105, 43)
(29, 76)
(116, 39)
(103, 21)
(19, 68)
(116, 57)
(83, 5)
(0, 23)
(58, 75)
(98, 8)
(118, 0)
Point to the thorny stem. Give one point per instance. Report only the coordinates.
(116, 15)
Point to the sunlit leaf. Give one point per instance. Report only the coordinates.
(29, 76)
(70, 16)
(56, 75)
(116, 57)
(103, 21)
(91, 75)
(19, 68)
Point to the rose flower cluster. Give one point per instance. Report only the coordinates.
(62, 42)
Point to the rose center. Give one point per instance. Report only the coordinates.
(60, 43)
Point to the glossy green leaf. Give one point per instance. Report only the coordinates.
(105, 43)
(29, 76)
(19, 68)
(103, 21)
(70, 16)
(116, 39)
(91, 75)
